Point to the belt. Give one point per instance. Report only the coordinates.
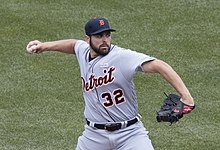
(113, 126)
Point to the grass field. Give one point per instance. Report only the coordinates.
(41, 104)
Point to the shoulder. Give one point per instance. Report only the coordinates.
(81, 43)
(129, 53)
(119, 50)
(80, 46)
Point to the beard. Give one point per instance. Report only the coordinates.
(100, 50)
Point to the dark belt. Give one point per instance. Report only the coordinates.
(112, 126)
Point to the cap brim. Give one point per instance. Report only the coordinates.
(102, 30)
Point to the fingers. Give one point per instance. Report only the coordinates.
(31, 43)
(35, 46)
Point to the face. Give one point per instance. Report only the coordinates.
(100, 43)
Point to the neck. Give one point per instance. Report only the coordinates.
(93, 54)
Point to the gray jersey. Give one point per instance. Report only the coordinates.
(107, 84)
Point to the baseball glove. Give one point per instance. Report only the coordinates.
(173, 109)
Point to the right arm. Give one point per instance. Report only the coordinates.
(65, 46)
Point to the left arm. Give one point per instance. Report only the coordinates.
(167, 72)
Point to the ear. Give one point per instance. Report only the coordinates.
(87, 39)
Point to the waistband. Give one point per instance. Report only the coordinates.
(113, 126)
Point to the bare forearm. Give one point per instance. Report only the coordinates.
(167, 72)
(174, 79)
(65, 46)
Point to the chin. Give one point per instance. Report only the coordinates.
(105, 52)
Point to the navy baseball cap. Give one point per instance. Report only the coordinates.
(96, 26)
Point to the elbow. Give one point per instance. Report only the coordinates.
(156, 66)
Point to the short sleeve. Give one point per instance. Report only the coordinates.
(80, 47)
(131, 61)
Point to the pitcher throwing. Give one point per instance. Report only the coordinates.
(111, 114)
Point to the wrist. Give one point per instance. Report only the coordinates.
(187, 101)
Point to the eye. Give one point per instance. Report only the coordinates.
(108, 35)
(98, 36)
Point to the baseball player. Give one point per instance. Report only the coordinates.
(111, 114)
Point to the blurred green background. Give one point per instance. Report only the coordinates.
(41, 103)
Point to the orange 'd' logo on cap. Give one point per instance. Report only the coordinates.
(101, 22)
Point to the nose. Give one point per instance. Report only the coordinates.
(104, 38)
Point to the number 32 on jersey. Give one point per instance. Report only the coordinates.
(116, 97)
